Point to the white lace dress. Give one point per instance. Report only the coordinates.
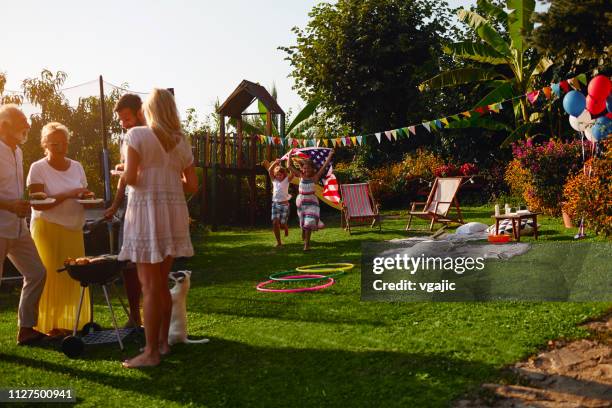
(156, 219)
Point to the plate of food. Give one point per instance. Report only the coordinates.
(40, 198)
(89, 198)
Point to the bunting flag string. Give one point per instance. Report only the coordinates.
(552, 90)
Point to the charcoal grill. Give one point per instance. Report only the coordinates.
(103, 273)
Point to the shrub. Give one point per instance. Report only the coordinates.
(538, 172)
(420, 164)
(591, 196)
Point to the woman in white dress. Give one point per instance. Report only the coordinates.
(159, 167)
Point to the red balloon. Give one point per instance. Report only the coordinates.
(600, 87)
(595, 106)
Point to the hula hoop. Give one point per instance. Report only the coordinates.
(281, 276)
(329, 267)
(262, 285)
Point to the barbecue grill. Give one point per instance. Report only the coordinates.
(104, 272)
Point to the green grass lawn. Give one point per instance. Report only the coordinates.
(312, 349)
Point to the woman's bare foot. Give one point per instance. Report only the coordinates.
(143, 360)
(278, 245)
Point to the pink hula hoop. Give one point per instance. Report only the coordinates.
(262, 286)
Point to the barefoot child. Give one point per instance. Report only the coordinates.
(306, 201)
(280, 199)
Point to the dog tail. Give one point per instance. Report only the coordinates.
(200, 341)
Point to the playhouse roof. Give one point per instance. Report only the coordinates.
(243, 96)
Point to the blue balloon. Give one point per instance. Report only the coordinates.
(609, 103)
(602, 128)
(574, 103)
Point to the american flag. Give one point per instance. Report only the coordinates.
(318, 155)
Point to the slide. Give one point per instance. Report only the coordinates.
(318, 189)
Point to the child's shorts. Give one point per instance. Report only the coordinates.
(280, 212)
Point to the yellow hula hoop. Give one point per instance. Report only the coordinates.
(324, 268)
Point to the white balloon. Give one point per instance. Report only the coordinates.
(588, 133)
(582, 122)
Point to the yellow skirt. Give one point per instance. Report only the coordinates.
(60, 297)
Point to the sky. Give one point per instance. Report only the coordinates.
(203, 48)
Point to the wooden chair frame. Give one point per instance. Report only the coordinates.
(434, 216)
(345, 218)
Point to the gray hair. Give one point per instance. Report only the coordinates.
(53, 127)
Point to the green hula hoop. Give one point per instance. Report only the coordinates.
(278, 277)
(329, 267)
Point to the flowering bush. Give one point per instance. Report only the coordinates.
(387, 183)
(468, 169)
(420, 164)
(591, 196)
(538, 172)
(446, 170)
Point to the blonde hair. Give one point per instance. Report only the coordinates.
(50, 128)
(8, 112)
(163, 118)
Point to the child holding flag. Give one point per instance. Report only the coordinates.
(306, 201)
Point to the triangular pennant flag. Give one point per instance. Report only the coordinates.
(547, 92)
(354, 140)
(344, 141)
(438, 123)
(575, 83)
(377, 136)
(394, 134)
(445, 121)
(295, 143)
(582, 78)
(481, 110)
(455, 117)
(412, 130)
(556, 88)
(289, 141)
(262, 138)
(388, 134)
(533, 96)
(564, 86)
(467, 114)
(360, 139)
(426, 126)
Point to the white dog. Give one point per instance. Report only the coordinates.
(178, 320)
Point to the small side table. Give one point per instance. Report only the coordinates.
(516, 219)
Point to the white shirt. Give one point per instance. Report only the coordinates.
(280, 190)
(69, 213)
(11, 188)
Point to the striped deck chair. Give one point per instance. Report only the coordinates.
(358, 205)
(443, 194)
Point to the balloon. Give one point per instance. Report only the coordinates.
(602, 128)
(595, 106)
(609, 103)
(588, 133)
(574, 103)
(600, 87)
(581, 122)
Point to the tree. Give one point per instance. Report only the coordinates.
(576, 34)
(362, 59)
(502, 60)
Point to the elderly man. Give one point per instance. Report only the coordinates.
(15, 240)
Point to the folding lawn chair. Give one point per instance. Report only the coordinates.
(358, 205)
(438, 204)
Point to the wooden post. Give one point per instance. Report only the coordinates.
(240, 141)
(105, 154)
(222, 140)
(252, 182)
(204, 192)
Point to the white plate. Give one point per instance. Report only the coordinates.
(47, 200)
(91, 201)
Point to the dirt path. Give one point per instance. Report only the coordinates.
(567, 375)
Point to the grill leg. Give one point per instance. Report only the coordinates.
(113, 316)
(118, 296)
(76, 323)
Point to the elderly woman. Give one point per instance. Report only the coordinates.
(57, 229)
